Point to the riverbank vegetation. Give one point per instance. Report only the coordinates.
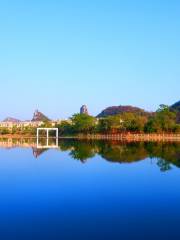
(164, 120)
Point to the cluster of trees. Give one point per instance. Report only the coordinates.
(4, 131)
(17, 130)
(162, 121)
(79, 123)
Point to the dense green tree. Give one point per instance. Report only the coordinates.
(103, 125)
(111, 124)
(153, 125)
(177, 128)
(4, 131)
(124, 122)
(65, 128)
(134, 122)
(167, 120)
(163, 120)
(83, 123)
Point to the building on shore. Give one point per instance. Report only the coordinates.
(20, 124)
(37, 121)
(34, 124)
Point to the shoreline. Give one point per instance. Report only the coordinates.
(133, 137)
(120, 137)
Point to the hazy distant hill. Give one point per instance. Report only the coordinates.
(38, 116)
(114, 110)
(10, 119)
(176, 107)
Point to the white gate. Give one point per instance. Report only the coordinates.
(47, 138)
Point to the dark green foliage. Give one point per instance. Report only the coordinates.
(65, 128)
(111, 124)
(4, 131)
(163, 120)
(130, 122)
(83, 123)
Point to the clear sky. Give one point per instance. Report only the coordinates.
(56, 55)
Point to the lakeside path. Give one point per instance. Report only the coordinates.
(117, 137)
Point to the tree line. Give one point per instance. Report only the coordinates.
(162, 121)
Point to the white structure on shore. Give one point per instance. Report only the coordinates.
(47, 131)
(45, 146)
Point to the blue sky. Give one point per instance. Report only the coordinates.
(57, 55)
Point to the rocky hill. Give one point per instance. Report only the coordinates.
(121, 109)
(38, 116)
(176, 107)
(10, 119)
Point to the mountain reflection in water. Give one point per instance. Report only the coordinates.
(166, 154)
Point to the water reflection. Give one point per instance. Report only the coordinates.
(37, 152)
(165, 154)
(121, 152)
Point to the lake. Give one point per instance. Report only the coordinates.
(89, 190)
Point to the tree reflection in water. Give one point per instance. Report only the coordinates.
(167, 154)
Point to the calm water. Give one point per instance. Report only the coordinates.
(89, 190)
